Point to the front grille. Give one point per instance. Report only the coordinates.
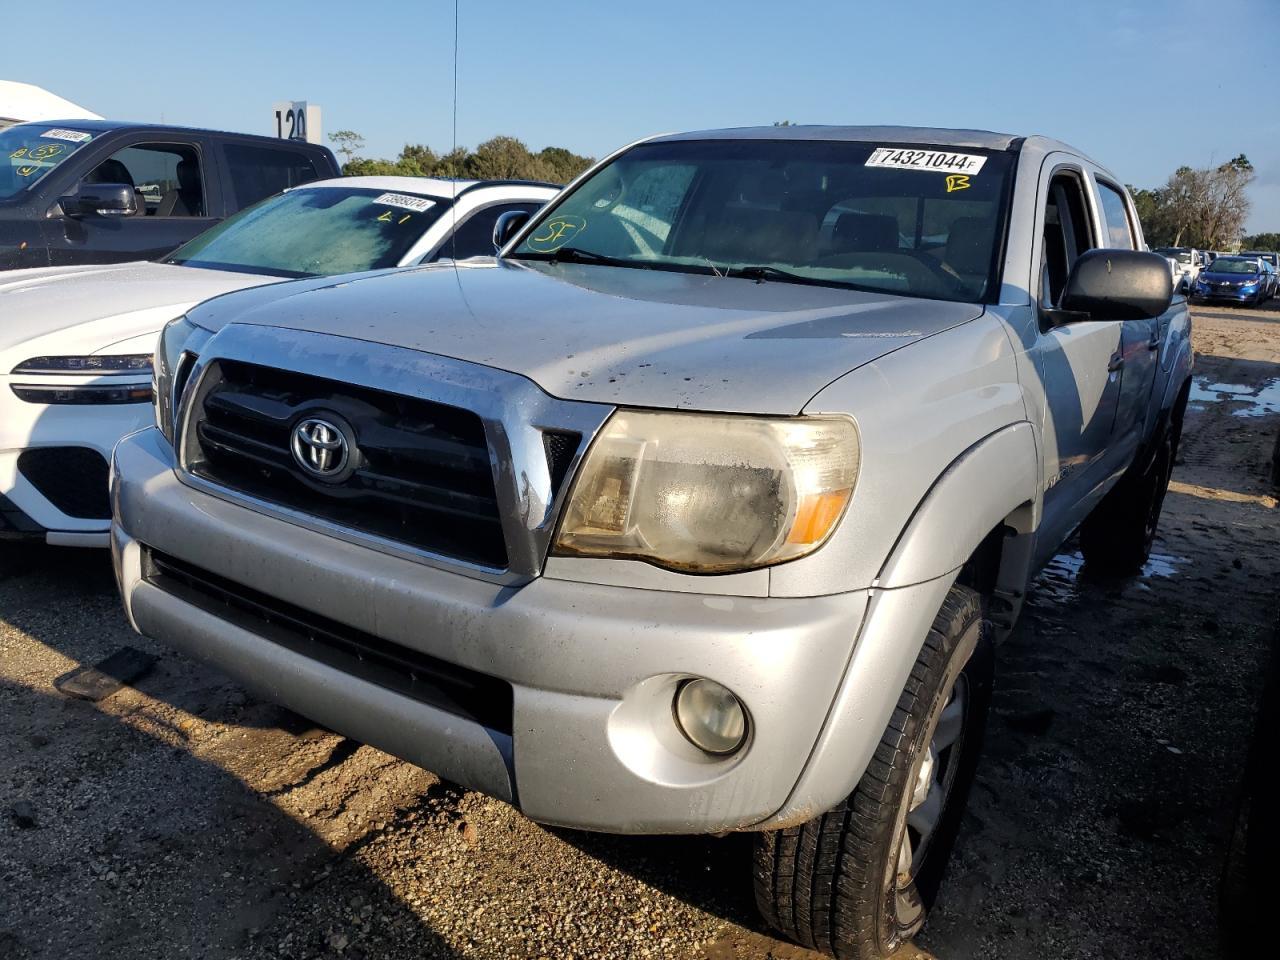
(73, 479)
(421, 471)
(464, 693)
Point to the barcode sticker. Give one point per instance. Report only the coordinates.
(75, 136)
(936, 161)
(404, 201)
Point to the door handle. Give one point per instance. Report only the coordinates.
(1154, 342)
(1117, 362)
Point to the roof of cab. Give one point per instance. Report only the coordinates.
(984, 139)
(108, 126)
(934, 136)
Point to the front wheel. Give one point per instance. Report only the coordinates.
(855, 882)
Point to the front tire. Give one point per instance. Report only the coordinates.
(856, 882)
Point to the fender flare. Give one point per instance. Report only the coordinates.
(966, 503)
(963, 506)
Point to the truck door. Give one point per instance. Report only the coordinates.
(1140, 352)
(172, 187)
(1079, 365)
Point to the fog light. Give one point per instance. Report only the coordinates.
(710, 716)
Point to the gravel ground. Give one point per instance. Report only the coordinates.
(182, 818)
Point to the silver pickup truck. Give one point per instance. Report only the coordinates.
(700, 509)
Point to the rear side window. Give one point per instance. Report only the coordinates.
(475, 237)
(259, 172)
(1119, 232)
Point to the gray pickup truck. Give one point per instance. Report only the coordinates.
(700, 509)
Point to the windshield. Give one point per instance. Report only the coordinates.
(1182, 256)
(31, 150)
(1234, 265)
(315, 232)
(920, 221)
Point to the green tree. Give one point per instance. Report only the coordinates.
(1198, 207)
(564, 164)
(417, 160)
(500, 158)
(1261, 241)
(347, 142)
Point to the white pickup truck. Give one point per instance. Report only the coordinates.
(699, 509)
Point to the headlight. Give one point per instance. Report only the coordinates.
(710, 494)
(130, 364)
(173, 338)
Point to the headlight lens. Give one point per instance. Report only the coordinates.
(173, 338)
(130, 364)
(710, 494)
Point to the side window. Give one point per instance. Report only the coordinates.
(167, 178)
(260, 172)
(475, 237)
(1067, 234)
(1116, 215)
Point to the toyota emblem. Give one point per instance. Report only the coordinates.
(321, 448)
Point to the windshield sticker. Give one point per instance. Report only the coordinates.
(75, 136)
(554, 233)
(404, 202)
(958, 181)
(936, 161)
(389, 217)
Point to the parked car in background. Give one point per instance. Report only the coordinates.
(1235, 279)
(697, 510)
(1271, 262)
(1190, 263)
(76, 343)
(86, 191)
(1268, 255)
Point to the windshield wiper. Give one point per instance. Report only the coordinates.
(761, 274)
(578, 255)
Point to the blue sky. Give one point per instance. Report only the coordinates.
(1142, 85)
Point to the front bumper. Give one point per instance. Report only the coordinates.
(591, 668)
(1228, 296)
(95, 427)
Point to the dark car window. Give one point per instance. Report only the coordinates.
(1235, 265)
(167, 178)
(258, 172)
(30, 151)
(923, 221)
(1116, 215)
(318, 231)
(475, 237)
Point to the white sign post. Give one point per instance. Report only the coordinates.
(297, 120)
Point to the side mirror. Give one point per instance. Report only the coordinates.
(507, 226)
(101, 199)
(1118, 285)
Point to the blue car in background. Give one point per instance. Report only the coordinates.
(1236, 280)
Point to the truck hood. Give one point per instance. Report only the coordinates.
(608, 334)
(91, 307)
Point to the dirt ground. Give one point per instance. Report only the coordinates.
(182, 818)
